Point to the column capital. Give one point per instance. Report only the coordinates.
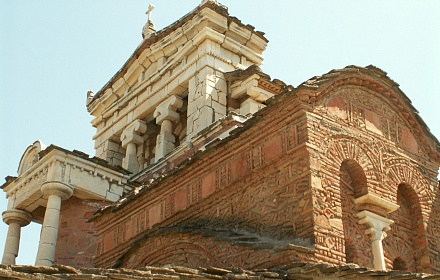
(372, 199)
(377, 224)
(57, 188)
(167, 109)
(375, 234)
(17, 216)
(131, 133)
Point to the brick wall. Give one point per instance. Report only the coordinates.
(292, 176)
(261, 188)
(210, 249)
(361, 144)
(77, 239)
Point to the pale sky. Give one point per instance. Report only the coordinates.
(53, 52)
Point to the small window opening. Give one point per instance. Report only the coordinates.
(399, 264)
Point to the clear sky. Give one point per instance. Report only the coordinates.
(52, 52)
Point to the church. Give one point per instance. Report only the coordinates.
(204, 160)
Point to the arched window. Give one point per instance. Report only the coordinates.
(353, 184)
(406, 242)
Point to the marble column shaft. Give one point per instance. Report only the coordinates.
(56, 192)
(15, 219)
(377, 226)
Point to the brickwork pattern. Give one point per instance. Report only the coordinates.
(294, 174)
(77, 239)
(403, 229)
(195, 250)
(357, 244)
(247, 187)
(362, 128)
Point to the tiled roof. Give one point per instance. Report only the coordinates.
(291, 271)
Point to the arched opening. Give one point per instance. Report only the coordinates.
(407, 241)
(353, 184)
(399, 264)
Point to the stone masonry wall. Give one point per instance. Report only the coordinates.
(257, 183)
(362, 145)
(208, 87)
(77, 239)
(111, 151)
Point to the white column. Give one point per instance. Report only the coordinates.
(15, 219)
(131, 138)
(56, 192)
(165, 115)
(377, 226)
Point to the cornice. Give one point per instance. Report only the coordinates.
(53, 155)
(155, 38)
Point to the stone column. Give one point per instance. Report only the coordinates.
(131, 138)
(56, 192)
(377, 226)
(165, 115)
(15, 219)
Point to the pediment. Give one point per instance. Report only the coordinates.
(163, 54)
(30, 157)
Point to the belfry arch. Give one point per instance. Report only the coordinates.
(350, 151)
(353, 171)
(406, 237)
(352, 183)
(364, 206)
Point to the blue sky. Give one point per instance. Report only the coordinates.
(53, 52)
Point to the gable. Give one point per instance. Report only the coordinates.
(368, 98)
(185, 61)
(364, 109)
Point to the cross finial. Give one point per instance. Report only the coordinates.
(149, 26)
(149, 11)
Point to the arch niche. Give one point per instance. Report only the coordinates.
(352, 183)
(406, 248)
(353, 170)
